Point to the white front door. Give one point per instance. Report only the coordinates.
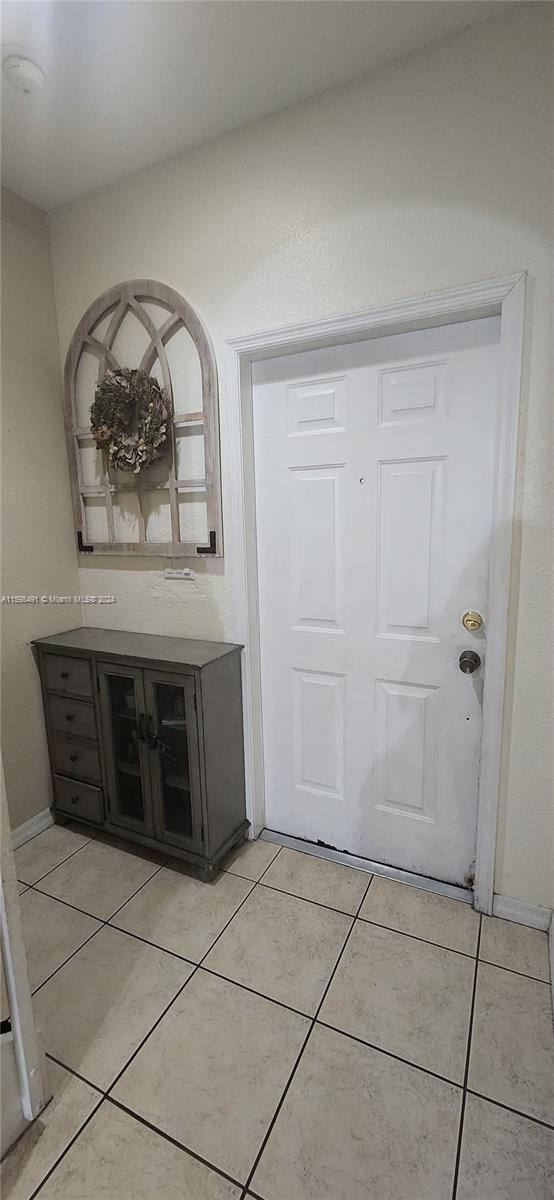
(374, 475)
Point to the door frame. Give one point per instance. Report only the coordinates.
(503, 297)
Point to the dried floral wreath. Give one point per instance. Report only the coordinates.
(129, 418)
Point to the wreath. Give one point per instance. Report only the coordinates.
(129, 418)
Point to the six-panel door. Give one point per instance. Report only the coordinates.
(374, 473)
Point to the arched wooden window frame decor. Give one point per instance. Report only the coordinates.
(117, 301)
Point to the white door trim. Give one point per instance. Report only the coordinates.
(503, 297)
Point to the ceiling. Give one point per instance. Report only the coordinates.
(131, 83)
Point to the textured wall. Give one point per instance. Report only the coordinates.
(433, 172)
(38, 549)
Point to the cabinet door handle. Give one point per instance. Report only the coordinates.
(65, 674)
(70, 716)
(152, 735)
(75, 799)
(73, 757)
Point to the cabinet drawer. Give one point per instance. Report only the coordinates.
(78, 799)
(76, 758)
(71, 716)
(65, 674)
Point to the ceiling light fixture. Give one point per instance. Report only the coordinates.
(23, 74)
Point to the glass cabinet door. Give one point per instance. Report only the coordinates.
(122, 703)
(172, 738)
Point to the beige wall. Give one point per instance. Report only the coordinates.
(38, 549)
(431, 173)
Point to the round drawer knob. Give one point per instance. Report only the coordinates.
(69, 716)
(75, 799)
(65, 674)
(73, 757)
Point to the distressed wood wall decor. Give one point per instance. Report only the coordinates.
(172, 508)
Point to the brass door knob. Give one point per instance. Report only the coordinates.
(472, 621)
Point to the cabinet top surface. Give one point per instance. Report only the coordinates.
(118, 642)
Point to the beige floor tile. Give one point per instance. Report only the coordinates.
(422, 914)
(36, 1152)
(96, 1010)
(405, 996)
(22, 887)
(251, 859)
(357, 1125)
(102, 878)
(213, 1071)
(317, 879)
(117, 1158)
(512, 1044)
(515, 946)
(281, 946)
(52, 931)
(504, 1157)
(181, 913)
(46, 851)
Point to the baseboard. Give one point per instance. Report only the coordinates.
(30, 828)
(523, 913)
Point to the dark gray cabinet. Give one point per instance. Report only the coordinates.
(145, 736)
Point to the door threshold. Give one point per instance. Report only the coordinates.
(366, 864)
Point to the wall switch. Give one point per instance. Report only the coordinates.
(178, 573)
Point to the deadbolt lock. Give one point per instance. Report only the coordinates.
(469, 662)
(472, 621)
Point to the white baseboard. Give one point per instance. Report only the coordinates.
(523, 913)
(29, 829)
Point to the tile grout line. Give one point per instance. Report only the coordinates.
(102, 924)
(457, 1159)
(506, 1107)
(66, 960)
(60, 864)
(67, 1149)
(72, 1071)
(415, 937)
(332, 908)
(70, 824)
(33, 888)
(408, 1062)
(199, 965)
(306, 1016)
(155, 945)
(270, 864)
(107, 921)
(283, 891)
(167, 1137)
(105, 1095)
(329, 908)
(298, 1059)
(314, 1019)
(512, 971)
(196, 967)
(254, 992)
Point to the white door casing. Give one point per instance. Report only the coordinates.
(503, 296)
(374, 491)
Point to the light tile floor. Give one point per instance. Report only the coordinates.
(296, 1030)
